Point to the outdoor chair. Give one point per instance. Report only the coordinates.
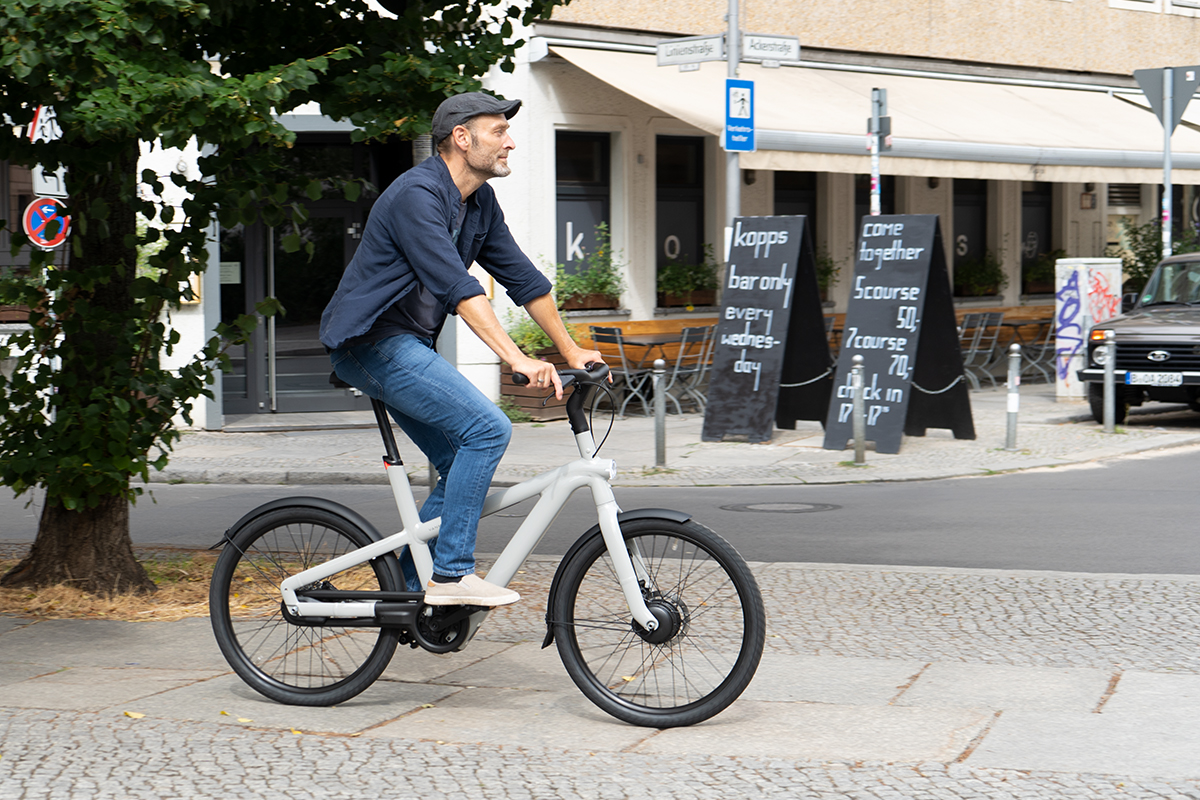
(979, 350)
(1039, 354)
(629, 381)
(831, 334)
(690, 368)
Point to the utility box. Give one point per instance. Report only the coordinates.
(1086, 291)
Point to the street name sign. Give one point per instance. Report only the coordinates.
(771, 50)
(691, 50)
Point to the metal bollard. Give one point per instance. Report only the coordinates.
(1110, 382)
(1014, 395)
(660, 414)
(860, 414)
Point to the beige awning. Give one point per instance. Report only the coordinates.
(814, 119)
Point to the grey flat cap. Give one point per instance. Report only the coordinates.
(456, 110)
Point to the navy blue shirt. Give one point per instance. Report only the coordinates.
(409, 245)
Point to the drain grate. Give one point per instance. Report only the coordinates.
(782, 508)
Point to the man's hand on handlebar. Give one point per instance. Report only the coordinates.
(540, 374)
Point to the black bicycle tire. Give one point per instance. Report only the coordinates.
(613, 691)
(276, 632)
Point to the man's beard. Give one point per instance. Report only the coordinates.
(492, 167)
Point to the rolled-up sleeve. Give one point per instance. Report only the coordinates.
(503, 259)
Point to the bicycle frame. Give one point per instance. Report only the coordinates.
(554, 487)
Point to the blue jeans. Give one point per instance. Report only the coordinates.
(461, 432)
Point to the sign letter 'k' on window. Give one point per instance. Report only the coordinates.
(574, 243)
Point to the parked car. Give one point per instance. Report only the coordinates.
(1158, 342)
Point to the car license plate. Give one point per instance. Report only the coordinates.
(1154, 378)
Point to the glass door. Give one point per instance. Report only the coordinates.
(296, 365)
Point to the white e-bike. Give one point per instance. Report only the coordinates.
(657, 619)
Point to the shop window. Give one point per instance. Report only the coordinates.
(977, 271)
(796, 193)
(16, 193)
(584, 192)
(680, 199)
(1037, 250)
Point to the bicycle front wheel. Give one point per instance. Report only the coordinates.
(297, 664)
(710, 637)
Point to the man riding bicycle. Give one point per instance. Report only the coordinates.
(381, 326)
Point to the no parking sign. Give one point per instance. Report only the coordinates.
(45, 223)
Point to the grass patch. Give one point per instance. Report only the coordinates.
(182, 580)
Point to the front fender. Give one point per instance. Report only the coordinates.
(588, 535)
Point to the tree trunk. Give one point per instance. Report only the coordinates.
(89, 550)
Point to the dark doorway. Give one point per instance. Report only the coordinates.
(284, 367)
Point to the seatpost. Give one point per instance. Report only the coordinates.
(392, 452)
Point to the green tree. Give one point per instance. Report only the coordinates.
(1143, 249)
(90, 406)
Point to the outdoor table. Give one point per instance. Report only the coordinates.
(649, 341)
(1016, 325)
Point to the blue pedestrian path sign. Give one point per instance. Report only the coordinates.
(45, 223)
(739, 116)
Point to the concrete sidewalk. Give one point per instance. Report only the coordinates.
(1022, 682)
(337, 448)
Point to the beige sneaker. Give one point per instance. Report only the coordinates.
(470, 590)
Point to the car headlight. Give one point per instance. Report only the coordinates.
(1100, 356)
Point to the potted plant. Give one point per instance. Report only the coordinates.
(534, 342)
(979, 277)
(685, 284)
(597, 283)
(1039, 276)
(827, 272)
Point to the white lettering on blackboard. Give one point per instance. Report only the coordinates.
(746, 367)
(871, 292)
(897, 252)
(855, 341)
(766, 283)
(882, 229)
(757, 239)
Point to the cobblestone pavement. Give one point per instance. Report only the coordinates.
(72, 755)
(1038, 624)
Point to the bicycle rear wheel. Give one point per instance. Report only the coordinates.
(711, 633)
(297, 664)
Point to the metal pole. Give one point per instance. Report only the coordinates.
(733, 172)
(860, 414)
(660, 414)
(1014, 395)
(1110, 382)
(873, 141)
(1168, 129)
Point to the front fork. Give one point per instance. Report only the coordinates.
(630, 569)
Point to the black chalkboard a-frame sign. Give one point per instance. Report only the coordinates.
(901, 321)
(771, 330)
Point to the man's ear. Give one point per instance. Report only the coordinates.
(461, 136)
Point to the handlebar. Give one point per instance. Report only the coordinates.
(595, 373)
(586, 383)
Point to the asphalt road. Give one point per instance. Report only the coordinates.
(1132, 515)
